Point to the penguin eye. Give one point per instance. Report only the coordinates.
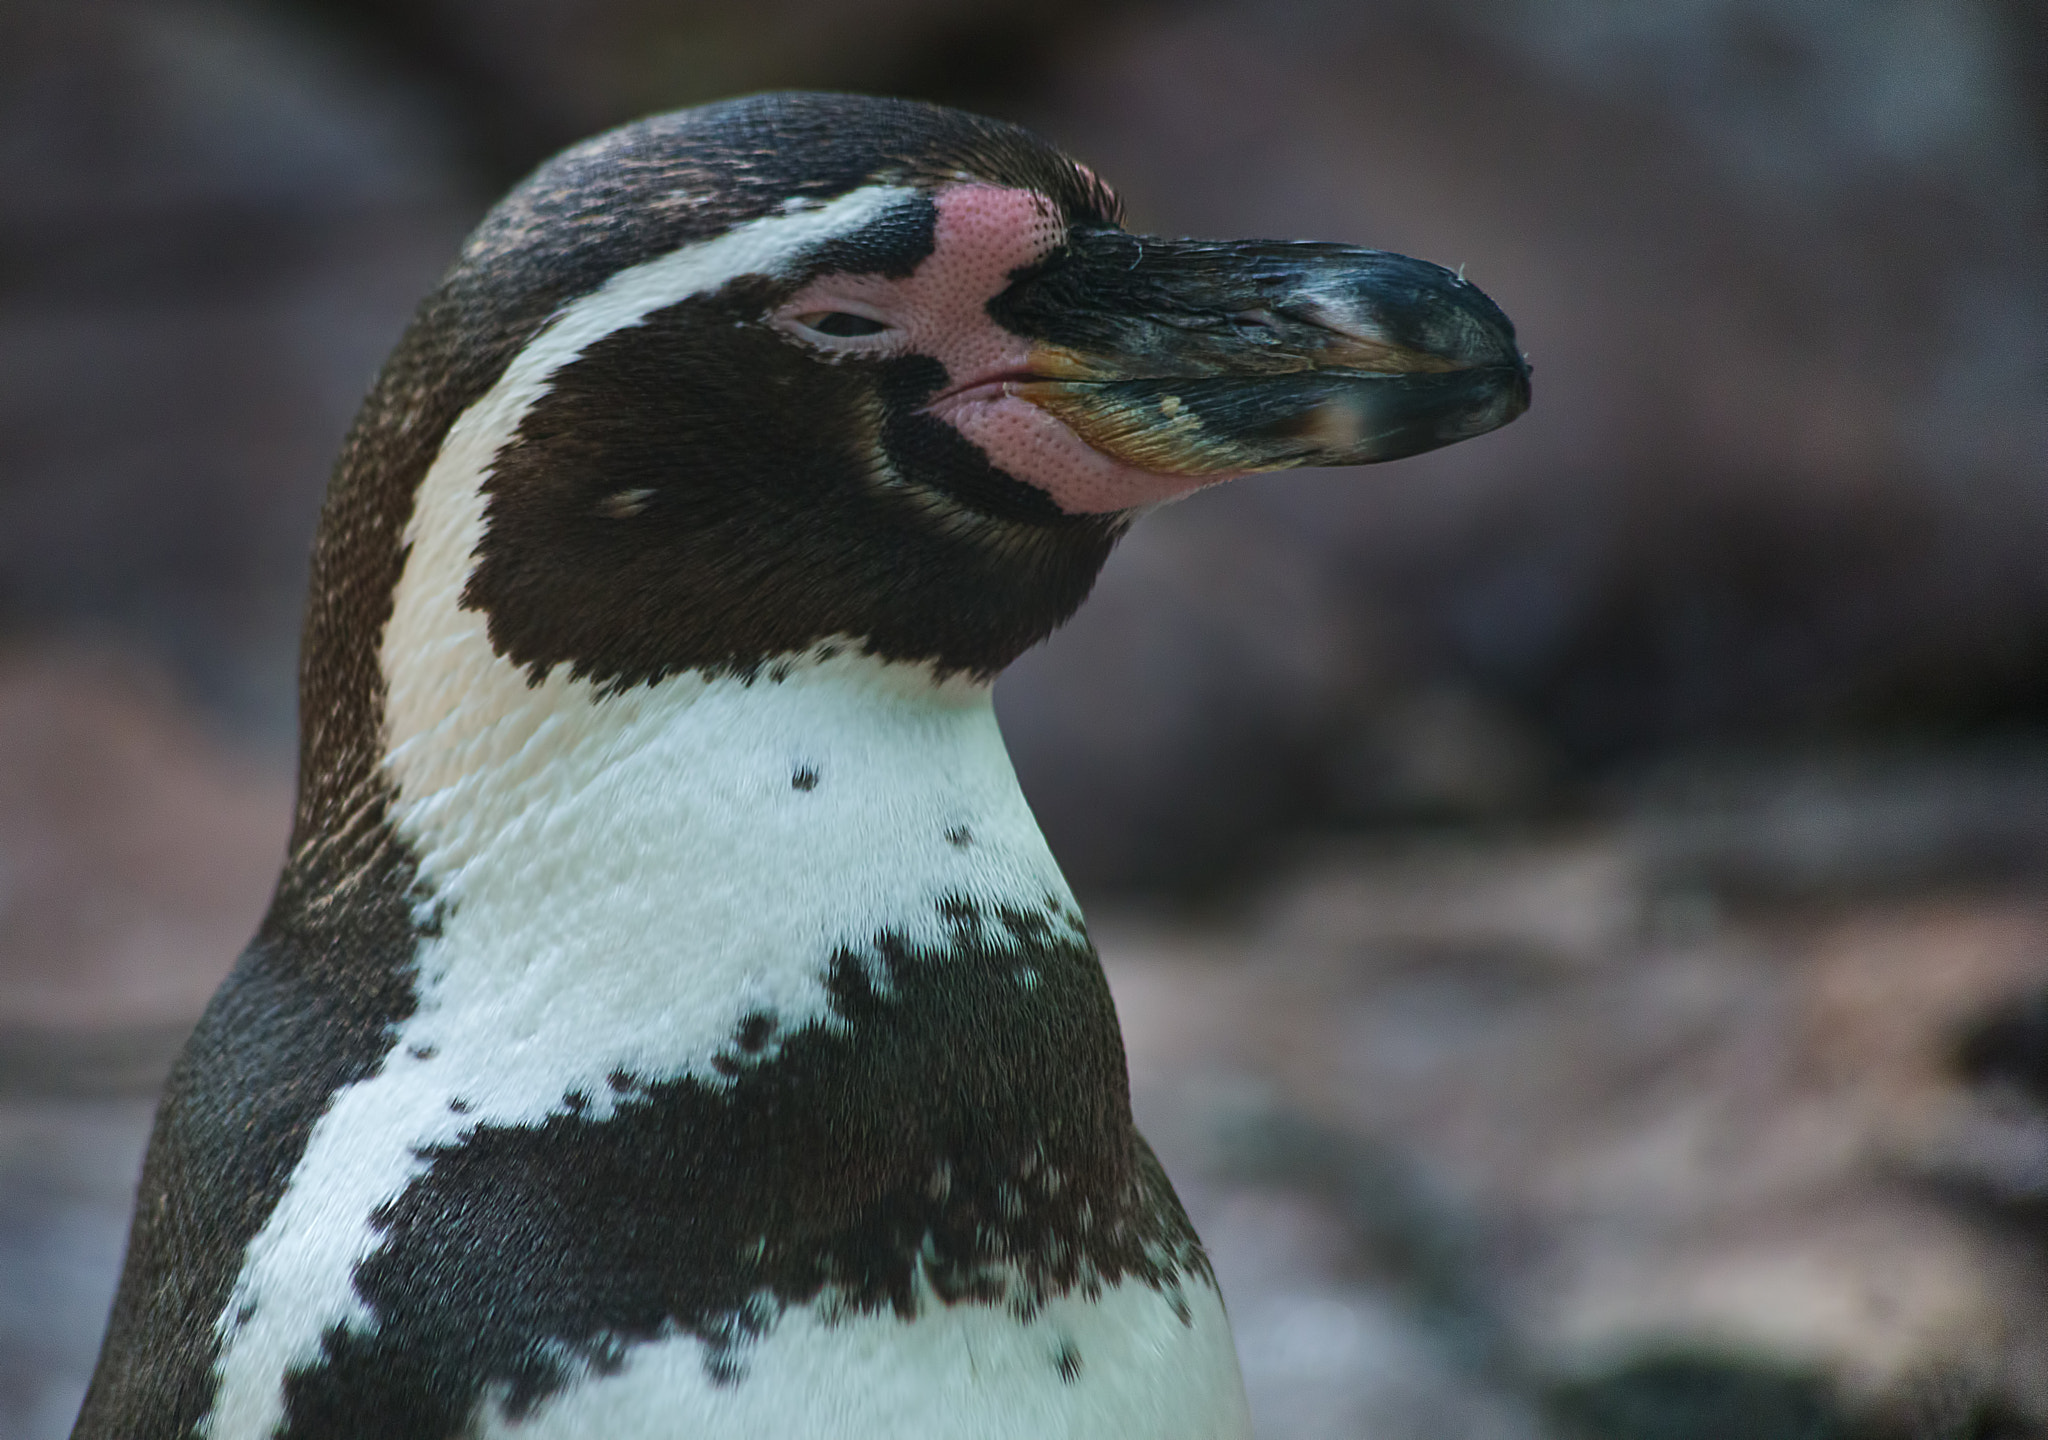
(841, 324)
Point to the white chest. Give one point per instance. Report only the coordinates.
(615, 890)
(616, 885)
(1123, 1366)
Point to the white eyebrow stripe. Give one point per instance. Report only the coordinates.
(771, 245)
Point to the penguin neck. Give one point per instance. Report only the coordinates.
(639, 871)
(639, 868)
(687, 784)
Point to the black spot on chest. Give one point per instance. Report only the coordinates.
(754, 1032)
(952, 1130)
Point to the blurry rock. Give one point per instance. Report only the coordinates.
(1696, 1397)
(213, 227)
(1434, 753)
(1171, 732)
(1349, 1289)
(1554, 903)
(1323, 1358)
(67, 1184)
(136, 855)
(1736, 1172)
(529, 76)
(2007, 1046)
(1846, 821)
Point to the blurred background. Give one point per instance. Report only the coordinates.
(1578, 900)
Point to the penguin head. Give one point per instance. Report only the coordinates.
(727, 386)
(793, 429)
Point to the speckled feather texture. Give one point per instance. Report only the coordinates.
(684, 938)
(670, 1020)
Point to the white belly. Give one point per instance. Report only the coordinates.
(1133, 1370)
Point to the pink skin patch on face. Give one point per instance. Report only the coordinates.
(984, 234)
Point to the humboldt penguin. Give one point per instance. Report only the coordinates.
(669, 1020)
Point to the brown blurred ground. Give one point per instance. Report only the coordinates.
(1577, 898)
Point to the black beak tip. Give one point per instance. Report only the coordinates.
(1418, 413)
(1482, 342)
(1474, 331)
(1512, 398)
(1433, 310)
(1519, 388)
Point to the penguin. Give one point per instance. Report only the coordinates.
(670, 1021)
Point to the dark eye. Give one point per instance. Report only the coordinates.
(842, 324)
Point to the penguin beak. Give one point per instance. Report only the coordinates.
(1204, 359)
